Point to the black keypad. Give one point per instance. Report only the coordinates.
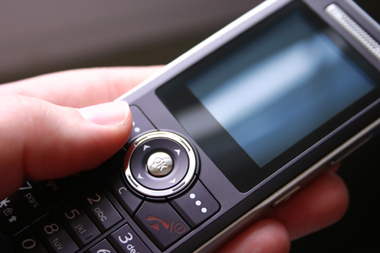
(78, 224)
(161, 223)
(56, 237)
(141, 124)
(126, 240)
(98, 207)
(126, 198)
(197, 205)
(28, 242)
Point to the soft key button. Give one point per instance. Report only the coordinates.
(140, 124)
(197, 205)
(126, 240)
(161, 223)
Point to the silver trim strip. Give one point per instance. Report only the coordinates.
(348, 24)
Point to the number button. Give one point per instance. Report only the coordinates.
(53, 189)
(58, 240)
(78, 224)
(27, 241)
(126, 240)
(100, 210)
(30, 199)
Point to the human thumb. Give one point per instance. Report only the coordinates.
(40, 140)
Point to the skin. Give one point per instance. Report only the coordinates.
(45, 137)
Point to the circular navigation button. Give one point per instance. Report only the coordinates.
(160, 164)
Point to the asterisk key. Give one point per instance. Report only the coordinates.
(4, 202)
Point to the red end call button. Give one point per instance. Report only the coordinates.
(161, 223)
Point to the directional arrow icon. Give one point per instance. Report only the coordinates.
(12, 219)
(139, 176)
(178, 151)
(173, 181)
(146, 147)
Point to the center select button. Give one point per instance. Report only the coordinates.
(160, 164)
(153, 155)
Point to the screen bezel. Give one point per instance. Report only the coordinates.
(246, 174)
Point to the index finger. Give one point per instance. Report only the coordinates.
(80, 88)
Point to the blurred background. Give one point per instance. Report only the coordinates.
(38, 37)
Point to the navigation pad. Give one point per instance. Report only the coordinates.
(159, 164)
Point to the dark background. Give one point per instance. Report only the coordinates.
(41, 37)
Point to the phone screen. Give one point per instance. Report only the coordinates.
(263, 99)
(279, 87)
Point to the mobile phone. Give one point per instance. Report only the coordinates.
(221, 136)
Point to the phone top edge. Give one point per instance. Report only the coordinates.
(364, 14)
(299, 182)
(214, 41)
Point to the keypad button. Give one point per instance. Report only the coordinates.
(102, 247)
(30, 199)
(161, 223)
(126, 198)
(126, 240)
(28, 242)
(99, 208)
(53, 189)
(54, 234)
(141, 124)
(196, 206)
(11, 216)
(78, 179)
(78, 223)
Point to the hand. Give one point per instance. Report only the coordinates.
(43, 137)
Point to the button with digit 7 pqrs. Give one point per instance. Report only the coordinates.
(197, 205)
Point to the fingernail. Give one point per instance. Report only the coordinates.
(113, 113)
